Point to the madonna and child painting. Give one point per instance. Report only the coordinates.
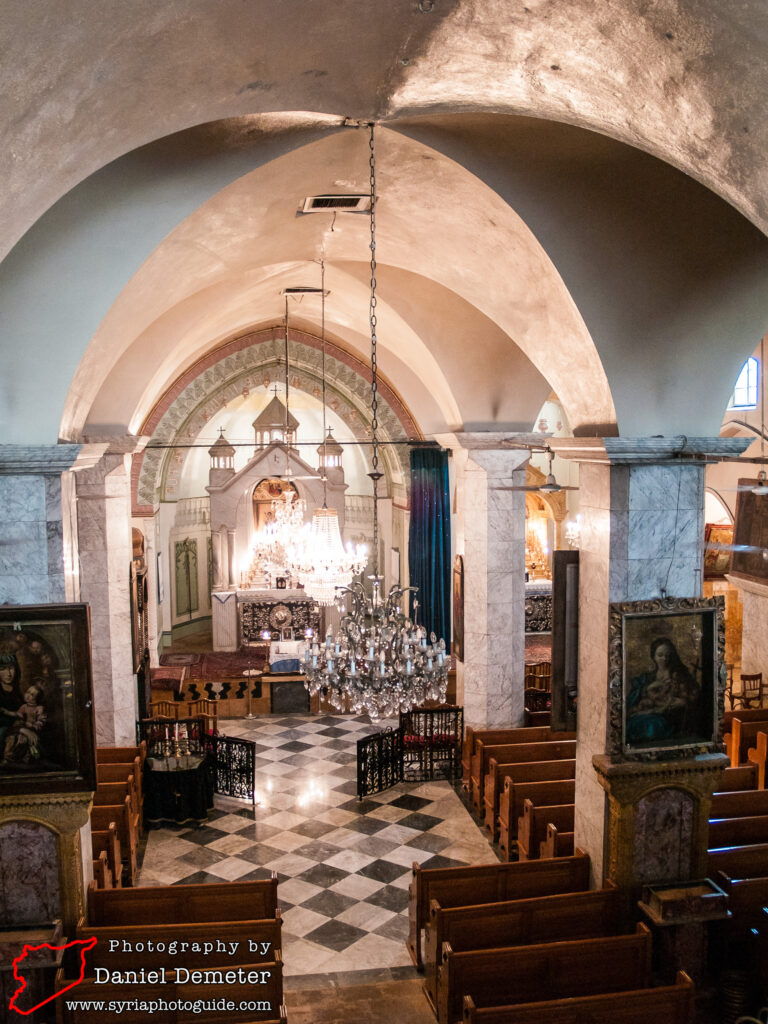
(669, 678)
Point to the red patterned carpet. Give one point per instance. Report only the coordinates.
(538, 648)
(218, 664)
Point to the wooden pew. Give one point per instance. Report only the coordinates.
(739, 803)
(743, 777)
(531, 718)
(740, 861)
(122, 957)
(669, 1004)
(743, 736)
(512, 803)
(102, 874)
(549, 970)
(554, 749)
(532, 771)
(127, 824)
(521, 734)
(556, 843)
(486, 883)
(532, 826)
(518, 923)
(121, 770)
(184, 992)
(120, 755)
(111, 793)
(746, 899)
(738, 831)
(758, 755)
(228, 901)
(108, 843)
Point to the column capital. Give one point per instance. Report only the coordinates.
(624, 451)
(25, 460)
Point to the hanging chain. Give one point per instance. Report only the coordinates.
(322, 339)
(375, 474)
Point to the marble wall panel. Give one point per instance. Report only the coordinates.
(29, 874)
(664, 824)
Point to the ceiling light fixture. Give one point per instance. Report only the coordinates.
(380, 661)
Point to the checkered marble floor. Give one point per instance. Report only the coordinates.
(343, 865)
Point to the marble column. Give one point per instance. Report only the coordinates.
(104, 553)
(754, 637)
(32, 553)
(491, 537)
(642, 505)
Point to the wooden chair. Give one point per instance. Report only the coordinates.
(206, 708)
(539, 677)
(164, 709)
(751, 692)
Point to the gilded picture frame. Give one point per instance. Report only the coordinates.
(666, 678)
(46, 700)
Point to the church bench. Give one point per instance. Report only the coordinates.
(556, 843)
(532, 826)
(743, 777)
(739, 803)
(115, 792)
(669, 1004)
(545, 971)
(175, 999)
(119, 771)
(102, 874)
(119, 755)
(758, 755)
(125, 957)
(520, 734)
(532, 771)
(746, 899)
(740, 861)
(536, 717)
(487, 883)
(127, 823)
(743, 736)
(555, 749)
(512, 802)
(518, 923)
(738, 831)
(233, 901)
(108, 843)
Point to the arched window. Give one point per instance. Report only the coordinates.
(745, 392)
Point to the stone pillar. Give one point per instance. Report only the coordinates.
(491, 537)
(233, 576)
(217, 563)
(754, 638)
(104, 552)
(32, 555)
(642, 505)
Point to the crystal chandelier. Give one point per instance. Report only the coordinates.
(380, 662)
(321, 561)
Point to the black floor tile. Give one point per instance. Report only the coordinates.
(429, 841)
(329, 903)
(390, 897)
(203, 836)
(441, 862)
(423, 822)
(368, 826)
(396, 928)
(198, 878)
(323, 875)
(410, 803)
(314, 829)
(332, 730)
(317, 850)
(383, 870)
(336, 935)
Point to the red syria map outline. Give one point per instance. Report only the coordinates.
(85, 943)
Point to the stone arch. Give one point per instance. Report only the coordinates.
(218, 377)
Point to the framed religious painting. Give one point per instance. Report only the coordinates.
(718, 544)
(666, 677)
(46, 699)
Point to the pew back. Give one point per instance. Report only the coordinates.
(532, 827)
(739, 803)
(232, 901)
(740, 861)
(487, 883)
(738, 831)
(528, 771)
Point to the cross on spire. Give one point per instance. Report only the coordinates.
(275, 390)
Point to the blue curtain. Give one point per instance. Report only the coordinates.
(429, 539)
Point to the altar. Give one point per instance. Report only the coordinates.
(242, 616)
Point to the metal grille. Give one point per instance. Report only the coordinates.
(379, 762)
(234, 766)
(432, 743)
